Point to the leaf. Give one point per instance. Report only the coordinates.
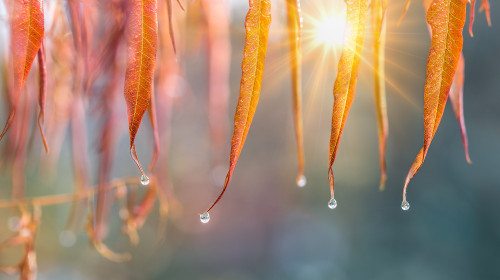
(219, 60)
(79, 16)
(154, 126)
(405, 10)
(379, 27)
(27, 31)
(170, 24)
(294, 26)
(42, 72)
(80, 159)
(347, 74)
(142, 39)
(107, 141)
(472, 15)
(446, 19)
(485, 5)
(257, 24)
(456, 99)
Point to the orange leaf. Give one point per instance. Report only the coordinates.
(472, 15)
(347, 74)
(379, 33)
(154, 127)
(456, 99)
(405, 10)
(27, 31)
(42, 73)
(486, 7)
(446, 19)
(294, 29)
(219, 59)
(257, 24)
(142, 39)
(170, 26)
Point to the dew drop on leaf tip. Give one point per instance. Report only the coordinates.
(302, 181)
(144, 180)
(205, 218)
(405, 205)
(332, 204)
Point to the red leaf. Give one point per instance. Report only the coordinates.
(42, 70)
(456, 99)
(27, 31)
(142, 39)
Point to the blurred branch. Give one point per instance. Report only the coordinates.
(67, 198)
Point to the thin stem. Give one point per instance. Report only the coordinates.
(67, 198)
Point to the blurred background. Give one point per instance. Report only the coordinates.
(266, 227)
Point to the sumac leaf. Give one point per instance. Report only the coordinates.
(219, 60)
(472, 16)
(446, 19)
(405, 10)
(42, 94)
(142, 39)
(379, 27)
(257, 24)
(456, 99)
(27, 30)
(485, 5)
(294, 26)
(347, 74)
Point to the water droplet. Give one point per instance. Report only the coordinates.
(405, 205)
(67, 238)
(302, 181)
(144, 180)
(205, 218)
(332, 204)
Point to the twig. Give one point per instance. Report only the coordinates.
(67, 198)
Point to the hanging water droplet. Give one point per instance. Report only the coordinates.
(205, 218)
(332, 204)
(405, 205)
(144, 180)
(302, 181)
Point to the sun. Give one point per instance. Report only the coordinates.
(330, 31)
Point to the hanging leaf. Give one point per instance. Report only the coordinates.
(347, 74)
(379, 27)
(219, 60)
(485, 6)
(257, 24)
(27, 31)
(472, 15)
(456, 99)
(294, 22)
(142, 39)
(154, 126)
(405, 10)
(170, 26)
(42, 71)
(446, 19)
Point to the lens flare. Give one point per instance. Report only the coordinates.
(330, 31)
